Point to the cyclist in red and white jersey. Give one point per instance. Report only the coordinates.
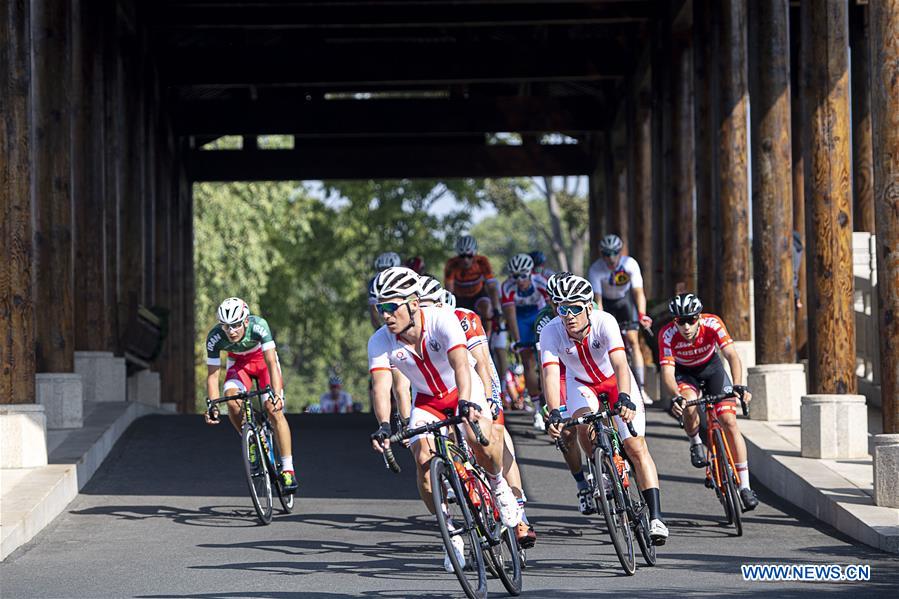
(687, 354)
(588, 342)
(428, 346)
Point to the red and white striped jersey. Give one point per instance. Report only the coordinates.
(472, 327)
(588, 360)
(429, 373)
(674, 349)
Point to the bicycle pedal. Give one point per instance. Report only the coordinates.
(709, 484)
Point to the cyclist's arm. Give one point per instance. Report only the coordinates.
(552, 385)
(618, 359)
(669, 383)
(381, 382)
(212, 381)
(733, 360)
(403, 392)
(509, 312)
(639, 299)
(274, 371)
(493, 292)
(458, 359)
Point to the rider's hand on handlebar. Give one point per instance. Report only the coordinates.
(277, 401)
(379, 438)
(212, 416)
(626, 407)
(470, 411)
(554, 425)
(645, 320)
(743, 392)
(677, 406)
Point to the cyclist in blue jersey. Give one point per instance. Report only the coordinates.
(523, 295)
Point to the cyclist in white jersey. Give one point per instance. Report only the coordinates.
(618, 287)
(428, 346)
(336, 400)
(588, 342)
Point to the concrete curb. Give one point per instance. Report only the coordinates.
(815, 487)
(32, 498)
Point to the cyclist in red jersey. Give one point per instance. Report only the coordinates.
(470, 278)
(687, 355)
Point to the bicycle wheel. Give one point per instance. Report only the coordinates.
(456, 522)
(499, 543)
(257, 477)
(732, 508)
(639, 516)
(285, 498)
(614, 510)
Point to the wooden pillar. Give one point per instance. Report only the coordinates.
(187, 306)
(661, 110)
(87, 178)
(17, 365)
(772, 198)
(798, 123)
(113, 125)
(643, 177)
(683, 174)
(595, 198)
(885, 109)
(862, 157)
(609, 184)
(52, 199)
(732, 173)
(619, 219)
(705, 82)
(828, 197)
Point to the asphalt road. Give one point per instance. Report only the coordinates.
(168, 516)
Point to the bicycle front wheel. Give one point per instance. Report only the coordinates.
(457, 527)
(257, 474)
(639, 515)
(614, 510)
(732, 507)
(285, 498)
(499, 544)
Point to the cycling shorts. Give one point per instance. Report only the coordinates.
(715, 378)
(499, 340)
(245, 369)
(427, 409)
(474, 300)
(526, 329)
(624, 310)
(581, 394)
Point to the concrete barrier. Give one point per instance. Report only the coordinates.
(23, 436)
(62, 396)
(103, 375)
(777, 391)
(144, 387)
(886, 470)
(834, 426)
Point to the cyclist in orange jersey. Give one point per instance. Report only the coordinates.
(470, 278)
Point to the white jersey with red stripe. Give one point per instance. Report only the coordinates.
(471, 326)
(429, 373)
(587, 360)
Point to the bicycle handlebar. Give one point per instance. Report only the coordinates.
(212, 403)
(714, 399)
(594, 416)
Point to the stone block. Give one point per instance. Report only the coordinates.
(169, 406)
(834, 426)
(103, 375)
(23, 436)
(651, 381)
(62, 396)
(777, 391)
(144, 387)
(886, 470)
(746, 351)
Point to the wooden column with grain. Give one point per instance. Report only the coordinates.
(828, 197)
(643, 190)
(189, 331)
(683, 164)
(595, 198)
(17, 367)
(113, 124)
(733, 184)
(798, 123)
(862, 157)
(885, 110)
(52, 194)
(772, 198)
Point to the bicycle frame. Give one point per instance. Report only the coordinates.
(718, 473)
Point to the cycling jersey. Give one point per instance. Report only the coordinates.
(257, 339)
(543, 318)
(467, 282)
(674, 349)
(528, 302)
(615, 283)
(342, 404)
(475, 336)
(372, 298)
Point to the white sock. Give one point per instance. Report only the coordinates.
(695, 440)
(743, 472)
(287, 462)
(496, 480)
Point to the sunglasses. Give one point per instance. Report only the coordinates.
(390, 307)
(466, 256)
(520, 277)
(687, 320)
(230, 327)
(573, 310)
(610, 254)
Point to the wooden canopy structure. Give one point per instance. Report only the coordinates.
(109, 103)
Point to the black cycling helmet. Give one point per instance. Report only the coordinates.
(685, 304)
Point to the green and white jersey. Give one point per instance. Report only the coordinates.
(542, 319)
(257, 338)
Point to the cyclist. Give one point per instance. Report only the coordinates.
(383, 261)
(336, 400)
(433, 294)
(523, 296)
(513, 386)
(539, 259)
(618, 285)
(428, 346)
(687, 358)
(251, 356)
(469, 277)
(416, 263)
(588, 342)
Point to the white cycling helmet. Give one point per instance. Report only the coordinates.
(233, 310)
(573, 289)
(386, 260)
(685, 304)
(466, 245)
(521, 264)
(448, 300)
(553, 282)
(397, 282)
(430, 289)
(610, 244)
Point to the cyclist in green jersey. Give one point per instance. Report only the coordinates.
(251, 356)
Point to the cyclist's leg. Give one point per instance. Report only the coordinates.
(236, 381)
(530, 372)
(276, 418)
(717, 381)
(484, 309)
(688, 387)
(581, 399)
(422, 447)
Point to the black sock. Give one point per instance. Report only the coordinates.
(651, 496)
